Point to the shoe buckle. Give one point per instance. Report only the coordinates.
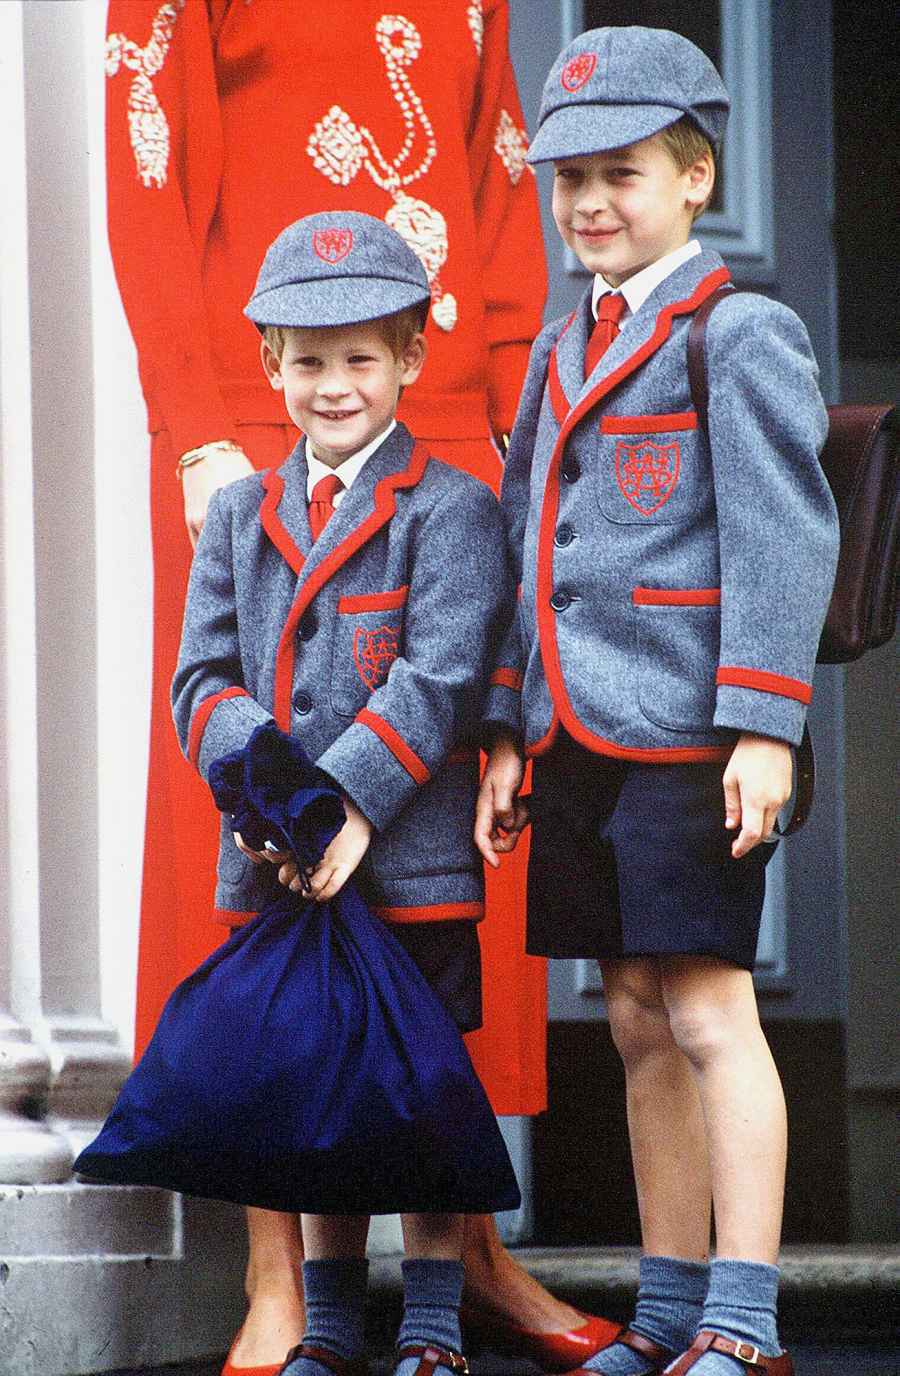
(746, 1352)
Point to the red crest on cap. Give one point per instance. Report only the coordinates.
(578, 70)
(332, 244)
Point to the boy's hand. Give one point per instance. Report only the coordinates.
(757, 783)
(341, 858)
(201, 480)
(257, 856)
(500, 814)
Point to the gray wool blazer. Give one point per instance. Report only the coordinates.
(673, 585)
(372, 646)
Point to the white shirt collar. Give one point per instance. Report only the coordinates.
(637, 288)
(347, 471)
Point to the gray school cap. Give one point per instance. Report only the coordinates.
(615, 86)
(337, 268)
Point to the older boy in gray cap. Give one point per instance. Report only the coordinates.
(674, 581)
(351, 596)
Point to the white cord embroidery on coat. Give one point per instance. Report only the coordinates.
(475, 16)
(339, 148)
(511, 144)
(148, 127)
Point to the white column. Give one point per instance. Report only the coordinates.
(63, 1008)
(29, 1151)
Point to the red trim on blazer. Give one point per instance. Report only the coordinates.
(677, 597)
(202, 715)
(507, 678)
(273, 486)
(518, 592)
(735, 677)
(230, 917)
(385, 506)
(415, 767)
(648, 425)
(545, 615)
(541, 746)
(558, 399)
(434, 912)
(375, 602)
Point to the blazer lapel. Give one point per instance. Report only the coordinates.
(283, 510)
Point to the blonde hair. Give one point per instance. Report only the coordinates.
(686, 143)
(398, 330)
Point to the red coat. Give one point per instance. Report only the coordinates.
(227, 120)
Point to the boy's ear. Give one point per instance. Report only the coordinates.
(701, 179)
(271, 365)
(412, 359)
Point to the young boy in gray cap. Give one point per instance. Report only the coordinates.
(351, 596)
(674, 582)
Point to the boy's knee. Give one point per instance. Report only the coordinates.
(637, 1019)
(701, 1030)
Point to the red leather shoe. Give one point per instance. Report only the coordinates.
(553, 1351)
(747, 1353)
(229, 1369)
(660, 1356)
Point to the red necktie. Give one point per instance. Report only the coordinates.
(609, 313)
(321, 503)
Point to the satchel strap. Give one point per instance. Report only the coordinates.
(804, 759)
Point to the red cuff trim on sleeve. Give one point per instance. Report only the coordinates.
(202, 716)
(735, 677)
(507, 678)
(677, 597)
(375, 602)
(416, 768)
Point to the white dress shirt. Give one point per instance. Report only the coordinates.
(637, 288)
(347, 471)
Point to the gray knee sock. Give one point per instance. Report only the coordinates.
(432, 1291)
(335, 1296)
(670, 1300)
(741, 1303)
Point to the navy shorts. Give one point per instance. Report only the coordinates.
(632, 859)
(449, 956)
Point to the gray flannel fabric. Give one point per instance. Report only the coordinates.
(614, 86)
(749, 512)
(419, 667)
(339, 267)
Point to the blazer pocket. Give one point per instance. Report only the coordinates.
(368, 638)
(677, 632)
(233, 866)
(647, 468)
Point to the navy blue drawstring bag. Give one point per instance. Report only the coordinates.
(306, 1065)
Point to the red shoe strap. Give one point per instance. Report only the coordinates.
(744, 1352)
(431, 1356)
(340, 1366)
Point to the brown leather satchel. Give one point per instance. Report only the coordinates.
(860, 462)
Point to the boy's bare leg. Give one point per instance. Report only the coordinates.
(498, 1284)
(714, 1019)
(341, 1236)
(438, 1237)
(665, 1121)
(275, 1319)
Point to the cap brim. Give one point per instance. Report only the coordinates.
(576, 131)
(343, 301)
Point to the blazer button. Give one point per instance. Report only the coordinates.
(302, 703)
(560, 600)
(571, 470)
(564, 535)
(308, 626)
